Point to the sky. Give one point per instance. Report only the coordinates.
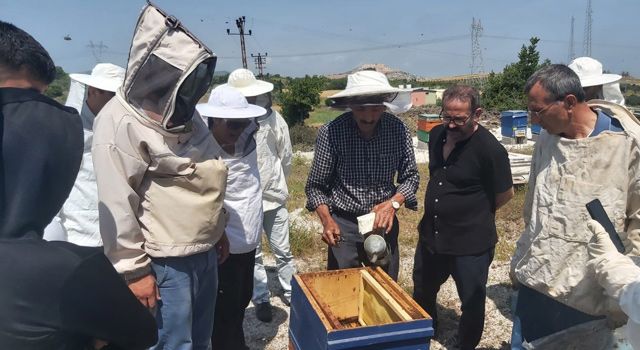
(422, 37)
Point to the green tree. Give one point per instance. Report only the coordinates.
(299, 97)
(633, 100)
(506, 90)
(59, 88)
(336, 84)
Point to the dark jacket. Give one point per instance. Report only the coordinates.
(54, 295)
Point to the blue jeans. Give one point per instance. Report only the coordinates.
(276, 226)
(188, 288)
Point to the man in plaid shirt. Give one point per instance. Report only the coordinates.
(357, 157)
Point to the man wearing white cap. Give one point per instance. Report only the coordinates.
(359, 158)
(77, 221)
(596, 84)
(274, 161)
(231, 121)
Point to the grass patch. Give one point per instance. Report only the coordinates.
(510, 224)
(304, 242)
(409, 219)
(321, 116)
(296, 182)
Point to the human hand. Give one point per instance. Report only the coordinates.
(384, 216)
(330, 232)
(146, 290)
(222, 248)
(601, 243)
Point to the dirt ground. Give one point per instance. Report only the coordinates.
(497, 332)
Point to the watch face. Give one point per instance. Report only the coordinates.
(395, 205)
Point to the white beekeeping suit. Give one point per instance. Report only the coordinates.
(590, 72)
(620, 278)
(78, 219)
(612, 93)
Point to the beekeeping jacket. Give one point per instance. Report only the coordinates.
(160, 185)
(551, 255)
(77, 221)
(274, 159)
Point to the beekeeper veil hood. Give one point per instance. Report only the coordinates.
(169, 70)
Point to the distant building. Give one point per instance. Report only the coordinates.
(423, 96)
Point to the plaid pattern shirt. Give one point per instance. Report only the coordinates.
(353, 174)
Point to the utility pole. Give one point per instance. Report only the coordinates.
(240, 24)
(477, 63)
(260, 62)
(97, 50)
(588, 23)
(572, 52)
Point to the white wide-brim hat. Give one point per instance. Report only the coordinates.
(244, 81)
(227, 102)
(104, 76)
(364, 83)
(590, 73)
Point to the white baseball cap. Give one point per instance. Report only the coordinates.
(244, 80)
(590, 73)
(227, 102)
(104, 76)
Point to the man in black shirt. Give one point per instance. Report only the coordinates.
(470, 178)
(54, 295)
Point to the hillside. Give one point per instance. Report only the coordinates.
(392, 74)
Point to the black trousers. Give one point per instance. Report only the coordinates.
(470, 274)
(350, 252)
(235, 287)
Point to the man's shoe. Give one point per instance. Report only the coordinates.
(263, 312)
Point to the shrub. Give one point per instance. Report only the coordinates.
(303, 137)
(299, 97)
(633, 100)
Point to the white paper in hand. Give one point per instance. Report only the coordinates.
(365, 223)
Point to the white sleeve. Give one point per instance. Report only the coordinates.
(55, 231)
(285, 151)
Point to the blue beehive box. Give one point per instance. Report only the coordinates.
(514, 123)
(361, 308)
(535, 129)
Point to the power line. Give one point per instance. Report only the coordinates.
(260, 62)
(376, 48)
(572, 52)
(240, 24)
(588, 22)
(477, 63)
(97, 50)
(557, 41)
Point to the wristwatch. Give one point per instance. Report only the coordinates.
(395, 204)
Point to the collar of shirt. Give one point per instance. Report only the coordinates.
(456, 149)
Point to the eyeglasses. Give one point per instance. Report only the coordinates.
(538, 113)
(457, 120)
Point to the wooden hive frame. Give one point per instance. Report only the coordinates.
(379, 300)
